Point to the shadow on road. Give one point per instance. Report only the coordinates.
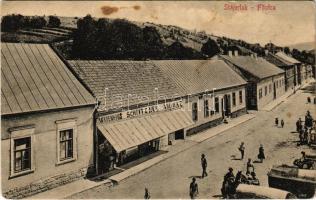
(195, 177)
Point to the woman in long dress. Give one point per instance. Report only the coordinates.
(261, 155)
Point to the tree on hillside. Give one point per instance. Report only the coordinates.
(11, 23)
(84, 38)
(287, 50)
(37, 22)
(154, 44)
(177, 51)
(210, 48)
(53, 21)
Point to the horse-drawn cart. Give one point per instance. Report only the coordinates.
(300, 182)
(308, 163)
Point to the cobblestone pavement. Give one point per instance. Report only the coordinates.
(171, 178)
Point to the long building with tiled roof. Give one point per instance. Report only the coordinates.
(256, 66)
(289, 68)
(265, 80)
(196, 95)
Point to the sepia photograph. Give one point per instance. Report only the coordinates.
(158, 99)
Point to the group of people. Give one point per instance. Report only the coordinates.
(305, 130)
(277, 122)
(261, 155)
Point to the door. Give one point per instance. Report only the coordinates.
(226, 105)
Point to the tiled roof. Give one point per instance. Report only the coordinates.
(124, 77)
(171, 77)
(258, 67)
(289, 59)
(277, 60)
(33, 78)
(197, 76)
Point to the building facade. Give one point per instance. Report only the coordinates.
(291, 75)
(148, 105)
(47, 122)
(266, 82)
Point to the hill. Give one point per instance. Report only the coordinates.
(307, 46)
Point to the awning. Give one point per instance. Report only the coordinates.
(133, 132)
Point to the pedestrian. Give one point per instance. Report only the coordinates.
(229, 176)
(301, 136)
(282, 123)
(303, 158)
(308, 120)
(276, 121)
(147, 195)
(242, 150)
(204, 165)
(314, 100)
(261, 155)
(305, 135)
(194, 190)
(298, 125)
(250, 166)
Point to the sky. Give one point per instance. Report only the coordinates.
(291, 22)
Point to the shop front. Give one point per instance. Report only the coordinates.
(132, 136)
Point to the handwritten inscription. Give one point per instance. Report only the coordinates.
(246, 7)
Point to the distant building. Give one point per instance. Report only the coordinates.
(296, 72)
(265, 81)
(147, 105)
(46, 121)
(291, 77)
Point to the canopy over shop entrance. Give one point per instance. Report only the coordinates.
(133, 132)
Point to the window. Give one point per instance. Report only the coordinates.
(234, 99)
(260, 93)
(216, 104)
(21, 150)
(194, 111)
(206, 109)
(240, 97)
(66, 141)
(265, 90)
(270, 88)
(22, 154)
(66, 144)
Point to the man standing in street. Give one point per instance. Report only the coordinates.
(242, 150)
(194, 190)
(204, 165)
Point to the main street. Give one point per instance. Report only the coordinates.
(171, 178)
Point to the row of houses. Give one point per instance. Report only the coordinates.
(64, 120)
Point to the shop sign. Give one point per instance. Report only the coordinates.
(174, 105)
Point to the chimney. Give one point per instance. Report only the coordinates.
(236, 52)
(230, 53)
